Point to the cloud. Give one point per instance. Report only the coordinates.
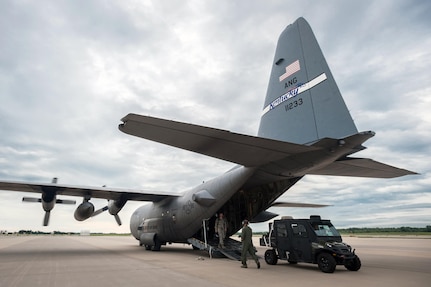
(69, 71)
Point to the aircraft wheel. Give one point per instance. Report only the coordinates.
(271, 257)
(354, 264)
(326, 263)
(157, 245)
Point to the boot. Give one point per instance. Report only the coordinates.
(258, 264)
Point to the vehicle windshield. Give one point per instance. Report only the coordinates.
(322, 229)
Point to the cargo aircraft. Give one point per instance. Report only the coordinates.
(305, 128)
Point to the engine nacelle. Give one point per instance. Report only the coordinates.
(48, 200)
(84, 211)
(114, 206)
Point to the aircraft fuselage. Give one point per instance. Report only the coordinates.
(177, 219)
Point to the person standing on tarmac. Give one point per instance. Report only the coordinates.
(221, 229)
(247, 245)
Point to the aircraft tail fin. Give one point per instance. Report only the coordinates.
(303, 103)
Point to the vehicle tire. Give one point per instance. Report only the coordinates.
(354, 264)
(271, 257)
(326, 263)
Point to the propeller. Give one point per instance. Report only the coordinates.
(105, 208)
(113, 207)
(48, 199)
(46, 218)
(99, 211)
(117, 218)
(31, 199)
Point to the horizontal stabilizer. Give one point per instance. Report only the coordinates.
(263, 216)
(267, 215)
(237, 148)
(297, 204)
(361, 167)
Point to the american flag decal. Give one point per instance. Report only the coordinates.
(290, 70)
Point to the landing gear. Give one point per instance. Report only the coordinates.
(157, 245)
(150, 242)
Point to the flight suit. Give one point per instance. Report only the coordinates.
(221, 228)
(247, 246)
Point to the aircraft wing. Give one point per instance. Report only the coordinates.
(238, 148)
(84, 191)
(361, 167)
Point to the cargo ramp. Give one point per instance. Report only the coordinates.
(232, 248)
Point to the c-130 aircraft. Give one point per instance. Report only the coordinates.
(305, 128)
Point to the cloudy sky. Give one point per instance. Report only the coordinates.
(70, 70)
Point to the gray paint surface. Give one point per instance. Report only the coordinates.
(322, 112)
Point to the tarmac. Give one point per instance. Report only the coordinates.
(119, 261)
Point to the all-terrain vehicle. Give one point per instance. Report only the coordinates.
(311, 240)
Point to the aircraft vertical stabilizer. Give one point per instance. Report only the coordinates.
(303, 103)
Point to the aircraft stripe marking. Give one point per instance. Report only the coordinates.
(294, 92)
(290, 70)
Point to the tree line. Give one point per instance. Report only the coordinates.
(401, 229)
(45, 233)
(351, 230)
